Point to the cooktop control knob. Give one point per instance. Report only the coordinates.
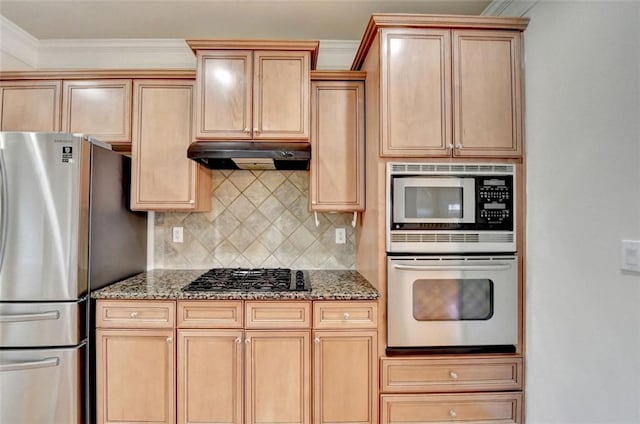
(299, 280)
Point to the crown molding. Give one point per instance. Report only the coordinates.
(17, 44)
(509, 7)
(115, 54)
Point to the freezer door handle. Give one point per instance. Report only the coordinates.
(4, 208)
(29, 365)
(40, 316)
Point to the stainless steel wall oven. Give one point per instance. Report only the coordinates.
(452, 267)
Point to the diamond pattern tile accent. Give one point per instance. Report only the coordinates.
(258, 219)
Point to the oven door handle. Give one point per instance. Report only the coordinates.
(492, 267)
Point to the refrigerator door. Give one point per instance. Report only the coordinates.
(42, 324)
(43, 386)
(45, 199)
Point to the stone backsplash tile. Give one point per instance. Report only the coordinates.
(257, 219)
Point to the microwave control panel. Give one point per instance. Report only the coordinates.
(494, 201)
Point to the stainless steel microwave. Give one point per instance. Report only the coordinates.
(450, 208)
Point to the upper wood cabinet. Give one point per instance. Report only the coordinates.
(487, 93)
(99, 108)
(163, 178)
(444, 92)
(253, 90)
(30, 105)
(337, 143)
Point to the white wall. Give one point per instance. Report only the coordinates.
(583, 155)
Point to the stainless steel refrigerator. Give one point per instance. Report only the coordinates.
(65, 230)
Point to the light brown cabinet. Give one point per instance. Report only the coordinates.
(345, 376)
(253, 90)
(231, 375)
(99, 108)
(337, 142)
(486, 408)
(446, 92)
(30, 105)
(163, 178)
(345, 361)
(135, 373)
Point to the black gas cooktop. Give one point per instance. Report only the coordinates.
(250, 279)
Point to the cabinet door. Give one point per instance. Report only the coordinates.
(163, 178)
(210, 376)
(223, 105)
(278, 375)
(415, 92)
(337, 146)
(281, 95)
(135, 376)
(100, 108)
(30, 105)
(345, 377)
(487, 93)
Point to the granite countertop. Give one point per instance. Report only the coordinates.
(167, 284)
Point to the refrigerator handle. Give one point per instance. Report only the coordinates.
(4, 207)
(29, 365)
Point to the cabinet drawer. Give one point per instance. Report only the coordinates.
(278, 315)
(135, 314)
(337, 315)
(487, 408)
(210, 314)
(412, 375)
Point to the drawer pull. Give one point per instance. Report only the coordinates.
(134, 315)
(452, 413)
(346, 315)
(453, 374)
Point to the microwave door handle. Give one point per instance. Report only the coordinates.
(452, 267)
(4, 207)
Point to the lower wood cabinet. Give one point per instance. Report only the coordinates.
(210, 376)
(135, 361)
(275, 373)
(135, 375)
(485, 408)
(345, 377)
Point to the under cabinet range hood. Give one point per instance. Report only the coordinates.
(251, 155)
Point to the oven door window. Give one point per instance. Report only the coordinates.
(452, 299)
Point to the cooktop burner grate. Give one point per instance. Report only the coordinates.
(250, 279)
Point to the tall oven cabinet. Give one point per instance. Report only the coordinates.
(444, 91)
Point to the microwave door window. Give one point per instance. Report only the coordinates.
(452, 299)
(433, 202)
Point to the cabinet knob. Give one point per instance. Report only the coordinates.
(452, 413)
(316, 340)
(238, 340)
(134, 315)
(255, 131)
(247, 130)
(346, 315)
(453, 374)
(169, 339)
(450, 146)
(459, 146)
(247, 340)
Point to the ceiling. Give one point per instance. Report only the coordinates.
(185, 19)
